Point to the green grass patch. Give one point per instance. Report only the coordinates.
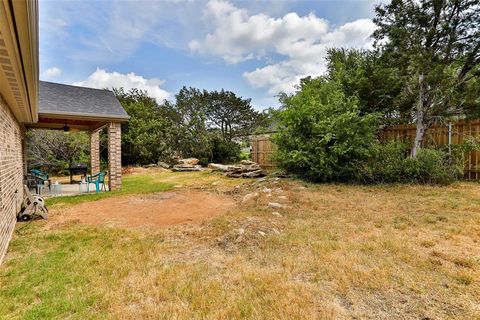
(131, 184)
(66, 274)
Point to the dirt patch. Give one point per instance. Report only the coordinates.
(158, 209)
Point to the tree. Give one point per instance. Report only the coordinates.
(324, 136)
(233, 116)
(56, 150)
(368, 76)
(193, 139)
(435, 46)
(149, 134)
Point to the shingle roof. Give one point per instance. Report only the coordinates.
(62, 99)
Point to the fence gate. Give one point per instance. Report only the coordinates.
(262, 151)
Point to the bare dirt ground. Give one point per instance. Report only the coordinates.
(158, 209)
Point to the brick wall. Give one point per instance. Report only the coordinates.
(95, 151)
(114, 156)
(11, 174)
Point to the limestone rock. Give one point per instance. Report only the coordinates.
(191, 161)
(275, 205)
(249, 197)
(163, 165)
(218, 167)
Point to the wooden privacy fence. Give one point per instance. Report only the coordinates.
(443, 134)
(262, 151)
(440, 134)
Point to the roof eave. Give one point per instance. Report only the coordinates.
(19, 25)
(83, 116)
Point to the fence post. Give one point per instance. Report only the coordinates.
(450, 137)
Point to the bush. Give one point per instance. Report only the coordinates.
(224, 151)
(392, 163)
(324, 136)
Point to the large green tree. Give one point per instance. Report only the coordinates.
(435, 46)
(323, 134)
(368, 76)
(233, 116)
(150, 133)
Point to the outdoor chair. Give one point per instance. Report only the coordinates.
(32, 206)
(42, 177)
(98, 179)
(34, 182)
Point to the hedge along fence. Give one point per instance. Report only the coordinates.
(439, 134)
(442, 134)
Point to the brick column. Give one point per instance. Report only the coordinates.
(95, 151)
(114, 156)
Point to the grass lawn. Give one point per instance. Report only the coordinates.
(334, 252)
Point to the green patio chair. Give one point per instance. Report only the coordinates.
(98, 179)
(42, 177)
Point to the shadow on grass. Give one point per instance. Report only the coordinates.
(131, 184)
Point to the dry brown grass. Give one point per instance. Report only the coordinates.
(336, 252)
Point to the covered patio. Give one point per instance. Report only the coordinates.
(71, 108)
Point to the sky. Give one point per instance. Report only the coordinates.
(256, 49)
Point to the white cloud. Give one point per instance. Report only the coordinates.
(112, 31)
(301, 42)
(51, 73)
(102, 79)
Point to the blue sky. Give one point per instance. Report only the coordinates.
(254, 48)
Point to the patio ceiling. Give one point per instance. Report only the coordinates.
(78, 108)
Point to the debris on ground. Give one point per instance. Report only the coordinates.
(276, 214)
(188, 164)
(248, 232)
(246, 169)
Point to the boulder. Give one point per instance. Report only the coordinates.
(246, 169)
(163, 165)
(186, 167)
(247, 162)
(218, 167)
(249, 197)
(192, 161)
(275, 205)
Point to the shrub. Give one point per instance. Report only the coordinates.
(324, 136)
(224, 151)
(392, 163)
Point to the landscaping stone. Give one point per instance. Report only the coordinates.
(267, 190)
(275, 205)
(246, 169)
(249, 197)
(191, 161)
(218, 167)
(163, 165)
(186, 167)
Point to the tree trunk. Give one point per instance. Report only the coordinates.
(420, 114)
